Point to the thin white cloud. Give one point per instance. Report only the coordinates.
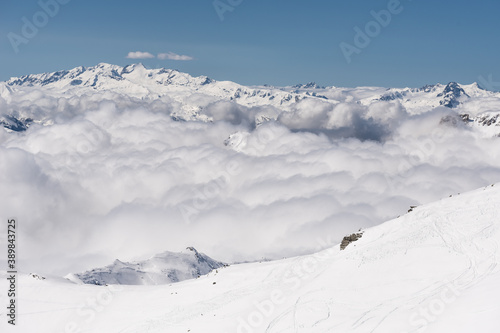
(139, 55)
(174, 56)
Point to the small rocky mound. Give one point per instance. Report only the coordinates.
(14, 124)
(488, 120)
(349, 239)
(37, 277)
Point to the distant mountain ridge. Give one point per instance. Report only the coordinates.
(193, 94)
(137, 81)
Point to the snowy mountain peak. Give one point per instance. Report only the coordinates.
(428, 88)
(192, 249)
(454, 89)
(476, 85)
(452, 95)
(79, 76)
(309, 85)
(102, 73)
(132, 67)
(163, 268)
(430, 96)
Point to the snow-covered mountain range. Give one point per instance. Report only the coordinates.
(193, 96)
(163, 268)
(435, 269)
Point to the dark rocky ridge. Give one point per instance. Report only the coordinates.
(349, 239)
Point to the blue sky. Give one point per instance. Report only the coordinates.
(279, 42)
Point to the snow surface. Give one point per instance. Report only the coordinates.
(434, 269)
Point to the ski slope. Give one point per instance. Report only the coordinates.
(431, 270)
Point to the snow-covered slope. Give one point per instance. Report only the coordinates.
(434, 269)
(163, 268)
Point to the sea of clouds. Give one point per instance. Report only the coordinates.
(110, 177)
